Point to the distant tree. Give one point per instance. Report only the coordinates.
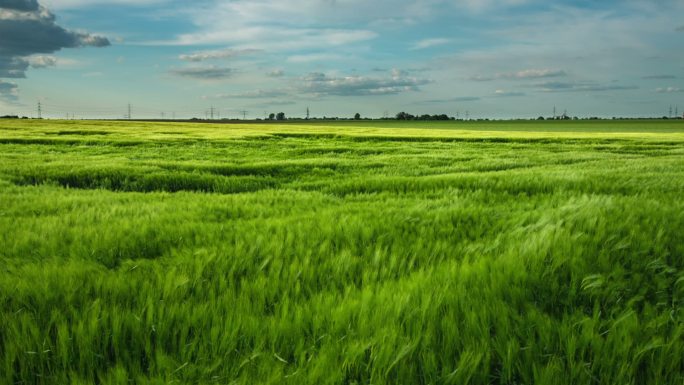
(540, 118)
(271, 116)
(405, 116)
(357, 116)
(280, 116)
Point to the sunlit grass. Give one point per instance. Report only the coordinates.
(330, 253)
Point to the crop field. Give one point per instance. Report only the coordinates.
(342, 252)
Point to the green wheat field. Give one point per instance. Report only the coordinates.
(342, 252)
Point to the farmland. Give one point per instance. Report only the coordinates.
(342, 252)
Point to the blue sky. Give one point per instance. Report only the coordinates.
(487, 58)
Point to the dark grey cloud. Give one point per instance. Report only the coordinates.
(28, 29)
(322, 85)
(8, 91)
(23, 34)
(204, 73)
(20, 5)
(13, 67)
(274, 103)
(581, 87)
(659, 77)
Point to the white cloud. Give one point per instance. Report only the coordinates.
(302, 24)
(204, 73)
(581, 87)
(275, 38)
(320, 84)
(521, 75)
(217, 54)
(668, 90)
(42, 61)
(254, 94)
(429, 43)
(308, 58)
(505, 93)
(659, 77)
(276, 73)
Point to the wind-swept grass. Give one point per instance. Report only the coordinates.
(334, 254)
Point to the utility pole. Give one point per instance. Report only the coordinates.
(554, 112)
(670, 110)
(129, 112)
(212, 112)
(40, 111)
(244, 114)
(307, 113)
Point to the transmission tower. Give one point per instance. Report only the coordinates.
(129, 112)
(40, 111)
(307, 113)
(244, 114)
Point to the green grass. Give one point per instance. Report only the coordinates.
(342, 253)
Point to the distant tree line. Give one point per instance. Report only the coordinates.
(12, 117)
(278, 116)
(406, 116)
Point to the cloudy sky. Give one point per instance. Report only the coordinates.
(486, 58)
